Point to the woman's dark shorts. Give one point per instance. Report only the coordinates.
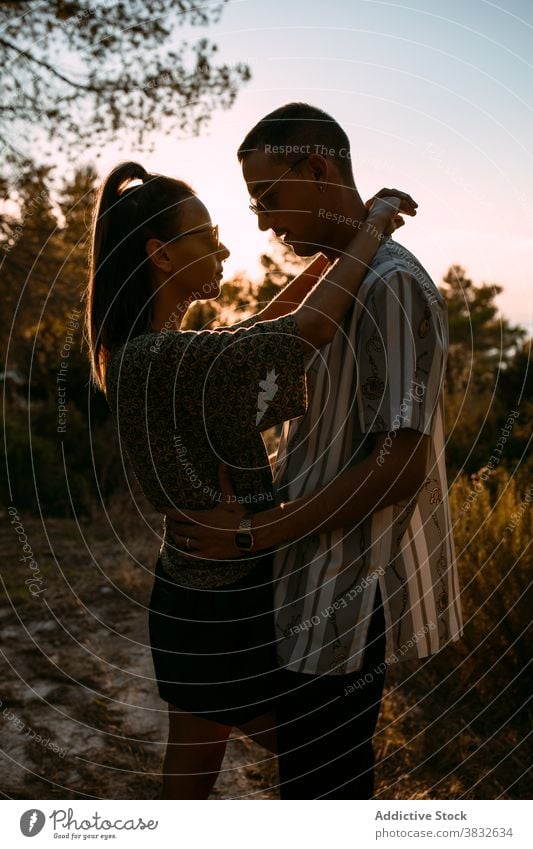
(213, 649)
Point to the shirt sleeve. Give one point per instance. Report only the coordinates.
(248, 378)
(402, 346)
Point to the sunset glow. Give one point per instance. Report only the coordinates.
(436, 103)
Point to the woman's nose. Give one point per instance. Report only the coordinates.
(223, 251)
(264, 220)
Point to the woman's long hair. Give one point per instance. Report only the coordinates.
(131, 207)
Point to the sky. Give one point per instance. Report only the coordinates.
(437, 99)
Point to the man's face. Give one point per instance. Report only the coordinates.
(289, 200)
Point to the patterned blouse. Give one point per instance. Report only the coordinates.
(185, 401)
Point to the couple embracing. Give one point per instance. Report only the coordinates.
(282, 592)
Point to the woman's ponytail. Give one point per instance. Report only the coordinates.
(119, 292)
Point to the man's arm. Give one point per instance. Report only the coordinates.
(353, 495)
(387, 476)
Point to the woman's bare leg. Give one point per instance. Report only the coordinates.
(262, 730)
(194, 755)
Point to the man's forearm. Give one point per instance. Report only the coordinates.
(351, 497)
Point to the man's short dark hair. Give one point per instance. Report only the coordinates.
(292, 130)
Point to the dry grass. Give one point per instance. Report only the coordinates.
(458, 725)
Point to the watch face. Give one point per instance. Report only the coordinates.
(243, 539)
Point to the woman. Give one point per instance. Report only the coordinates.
(184, 401)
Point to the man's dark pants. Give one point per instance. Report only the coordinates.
(326, 724)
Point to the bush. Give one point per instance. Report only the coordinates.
(53, 472)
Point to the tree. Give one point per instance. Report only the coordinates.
(75, 74)
(54, 423)
(481, 342)
(515, 395)
(482, 349)
(44, 275)
(31, 258)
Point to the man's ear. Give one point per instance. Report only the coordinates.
(319, 168)
(157, 253)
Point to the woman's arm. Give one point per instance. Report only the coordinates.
(323, 309)
(290, 297)
(313, 303)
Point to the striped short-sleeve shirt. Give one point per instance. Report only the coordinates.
(383, 371)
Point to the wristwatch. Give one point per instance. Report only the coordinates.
(243, 537)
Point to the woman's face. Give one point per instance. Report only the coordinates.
(195, 254)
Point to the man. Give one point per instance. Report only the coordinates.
(364, 569)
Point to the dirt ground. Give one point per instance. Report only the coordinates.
(80, 716)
